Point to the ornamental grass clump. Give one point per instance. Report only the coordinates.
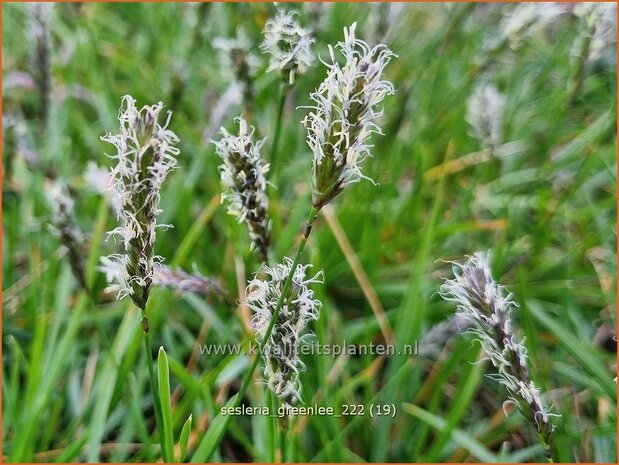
(145, 155)
(280, 348)
(243, 177)
(487, 306)
(345, 115)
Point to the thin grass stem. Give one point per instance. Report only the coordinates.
(278, 128)
(155, 394)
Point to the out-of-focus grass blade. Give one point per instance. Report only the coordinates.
(412, 311)
(184, 249)
(71, 453)
(526, 454)
(210, 441)
(190, 385)
(461, 438)
(166, 407)
(466, 391)
(138, 417)
(47, 382)
(578, 349)
(97, 239)
(125, 334)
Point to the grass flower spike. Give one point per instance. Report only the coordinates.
(146, 153)
(40, 31)
(484, 112)
(487, 306)
(236, 58)
(280, 351)
(243, 176)
(526, 18)
(289, 46)
(600, 21)
(180, 280)
(344, 116)
(71, 236)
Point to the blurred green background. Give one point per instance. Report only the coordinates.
(73, 376)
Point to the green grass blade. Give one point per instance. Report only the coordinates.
(166, 406)
(212, 438)
(461, 438)
(71, 453)
(184, 439)
(578, 349)
(126, 332)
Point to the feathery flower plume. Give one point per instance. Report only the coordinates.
(243, 177)
(235, 56)
(146, 153)
(41, 33)
(345, 113)
(70, 234)
(526, 18)
(487, 306)
(99, 180)
(180, 280)
(484, 112)
(281, 360)
(600, 20)
(519, 23)
(289, 46)
(435, 340)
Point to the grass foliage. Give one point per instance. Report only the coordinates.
(74, 379)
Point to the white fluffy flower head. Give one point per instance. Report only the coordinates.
(288, 44)
(528, 17)
(487, 306)
(601, 23)
(235, 52)
(59, 199)
(145, 154)
(484, 112)
(280, 351)
(243, 177)
(239, 62)
(345, 114)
